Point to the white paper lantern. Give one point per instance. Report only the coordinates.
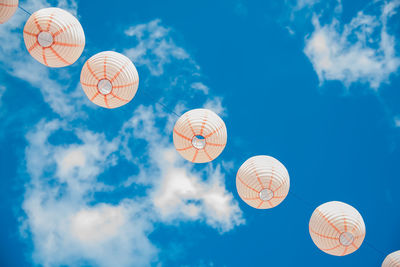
(262, 182)
(337, 228)
(200, 135)
(54, 37)
(7, 9)
(109, 79)
(392, 260)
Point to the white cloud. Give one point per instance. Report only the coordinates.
(65, 227)
(360, 51)
(114, 235)
(154, 48)
(200, 86)
(215, 104)
(105, 219)
(182, 194)
(318, 4)
(305, 3)
(71, 159)
(157, 51)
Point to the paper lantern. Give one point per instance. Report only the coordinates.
(109, 79)
(337, 228)
(392, 260)
(262, 182)
(200, 135)
(7, 9)
(54, 37)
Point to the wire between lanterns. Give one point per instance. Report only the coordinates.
(27, 12)
(161, 104)
(23, 9)
(374, 248)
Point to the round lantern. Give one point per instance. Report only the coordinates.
(337, 228)
(262, 182)
(7, 9)
(392, 260)
(54, 37)
(109, 79)
(200, 135)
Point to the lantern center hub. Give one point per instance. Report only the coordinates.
(104, 86)
(45, 39)
(198, 141)
(266, 194)
(346, 239)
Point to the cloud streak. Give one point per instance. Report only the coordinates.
(155, 48)
(361, 51)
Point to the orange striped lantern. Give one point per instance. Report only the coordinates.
(7, 9)
(337, 228)
(54, 37)
(200, 135)
(109, 79)
(392, 260)
(262, 182)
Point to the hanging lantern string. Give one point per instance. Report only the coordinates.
(23, 9)
(161, 104)
(374, 248)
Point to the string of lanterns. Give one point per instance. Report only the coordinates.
(55, 38)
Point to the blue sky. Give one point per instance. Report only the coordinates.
(312, 83)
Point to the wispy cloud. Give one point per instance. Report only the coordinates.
(361, 51)
(155, 48)
(65, 226)
(305, 3)
(168, 68)
(315, 6)
(200, 86)
(215, 104)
